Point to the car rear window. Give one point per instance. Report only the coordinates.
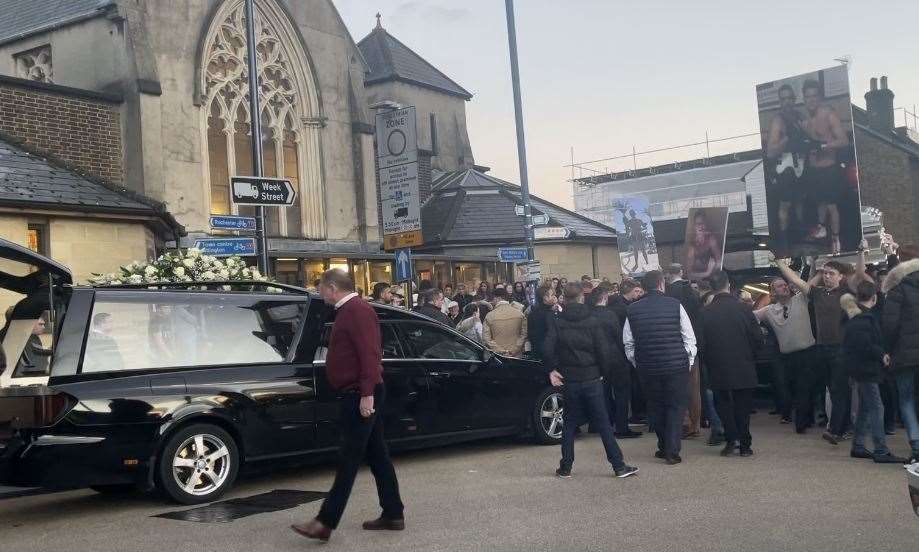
(163, 330)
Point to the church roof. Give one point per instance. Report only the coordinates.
(390, 60)
(22, 18)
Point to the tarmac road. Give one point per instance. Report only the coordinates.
(796, 493)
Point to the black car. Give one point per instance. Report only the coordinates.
(178, 386)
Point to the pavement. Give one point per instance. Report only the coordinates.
(797, 493)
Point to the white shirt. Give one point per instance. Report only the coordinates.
(345, 299)
(689, 338)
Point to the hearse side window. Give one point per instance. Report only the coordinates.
(162, 330)
(391, 346)
(432, 341)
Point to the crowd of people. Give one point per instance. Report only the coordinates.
(840, 348)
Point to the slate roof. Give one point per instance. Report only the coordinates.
(390, 60)
(470, 206)
(25, 17)
(31, 181)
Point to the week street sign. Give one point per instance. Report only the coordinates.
(266, 192)
(226, 247)
(551, 233)
(404, 270)
(397, 137)
(512, 254)
(232, 222)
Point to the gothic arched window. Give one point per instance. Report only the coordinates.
(290, 116)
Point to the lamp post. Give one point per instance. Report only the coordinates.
(255, 126)
(521, 142)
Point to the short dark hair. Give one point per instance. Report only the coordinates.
(594, 298)
(425, 285)
(652, 280)
(573, 291)
(499, 293)
(811, 84)
(428, 296)
(585, 277)
(471, 309)
(379, 288)
(786, 88)
(843, 268)
(719, 280)
(675, 269)
(865, 290)
(628, 285)
(338, 278)
(543, 290)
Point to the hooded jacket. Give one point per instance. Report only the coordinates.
(900, 320)
(862, 350)
(577, 345)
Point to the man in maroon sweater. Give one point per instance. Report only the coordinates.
(353, 366)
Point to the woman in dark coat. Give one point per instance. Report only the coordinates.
(731, 336)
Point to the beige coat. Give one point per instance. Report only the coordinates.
(505, 330)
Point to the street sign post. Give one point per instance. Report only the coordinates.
(232, 222)
(397, 157)
(403, 258)
(512, 254)
(226, 247)
(540, 220)
(266, 192)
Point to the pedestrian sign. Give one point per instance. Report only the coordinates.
(226, 247)
(403, 265)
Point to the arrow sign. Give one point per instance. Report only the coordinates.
(403, 259)
(226, 247)
(267, 192)
(232, 222)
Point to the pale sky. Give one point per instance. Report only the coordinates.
(602, 76)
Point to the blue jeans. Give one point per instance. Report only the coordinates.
(585, 400)
(906, 386)
(870, 418)
(708, 402)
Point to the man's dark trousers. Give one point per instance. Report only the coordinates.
(835, 373)
(585, 401)
(734, 407)
(799, 366)
(362, 437)
(667, 398)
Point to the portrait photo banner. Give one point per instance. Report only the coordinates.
(809, 161)
(703, 250)
(635, 234)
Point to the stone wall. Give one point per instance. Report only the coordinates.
(81, 129)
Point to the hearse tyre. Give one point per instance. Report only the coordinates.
(548, 417)
(198, 463)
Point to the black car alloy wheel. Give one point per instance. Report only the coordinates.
(198, 464)
(548, 416)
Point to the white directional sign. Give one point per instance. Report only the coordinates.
(256, 190)
(397, 138)
(551, 233)
(397, 157)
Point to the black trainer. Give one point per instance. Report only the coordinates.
(861, 453)
(728, 449)
(626, 471)
(715, 439)
(888, 458)
(746, 452)
(659, 454)
(564, 473)
(673, 460)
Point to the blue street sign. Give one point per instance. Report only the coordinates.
(512, 254)
(226, 247)
(403, 265)
(232, 222)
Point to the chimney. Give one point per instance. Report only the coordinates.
(879, 102)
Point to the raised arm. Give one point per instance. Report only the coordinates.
(792, 277)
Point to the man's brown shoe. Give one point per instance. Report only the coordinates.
(383, 524)
(313, 530)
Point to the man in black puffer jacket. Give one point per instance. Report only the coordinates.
(578, 353)
(900, 323)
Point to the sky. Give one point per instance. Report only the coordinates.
(604, 76)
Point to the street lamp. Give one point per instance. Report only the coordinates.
(255, 126)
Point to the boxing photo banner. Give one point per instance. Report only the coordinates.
(703, 252)
(809, 161)
(635, 235)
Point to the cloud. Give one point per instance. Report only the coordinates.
(431, 14)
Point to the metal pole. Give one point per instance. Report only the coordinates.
(521, 143)
(255, 125)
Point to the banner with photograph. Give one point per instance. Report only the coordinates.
(703, 250)
(635, 236)
(809, 161)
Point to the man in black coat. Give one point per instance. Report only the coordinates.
(681, 290)
(538, 319)
(579, 356)
(732, 337)
(900, 323)
(430, 303)
(629, 292)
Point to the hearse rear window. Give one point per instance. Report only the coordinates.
(162, 330)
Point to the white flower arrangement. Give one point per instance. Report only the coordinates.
(176, 266)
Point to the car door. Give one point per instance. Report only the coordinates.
(466, 392)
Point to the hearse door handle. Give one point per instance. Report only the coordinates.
(440, 374)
